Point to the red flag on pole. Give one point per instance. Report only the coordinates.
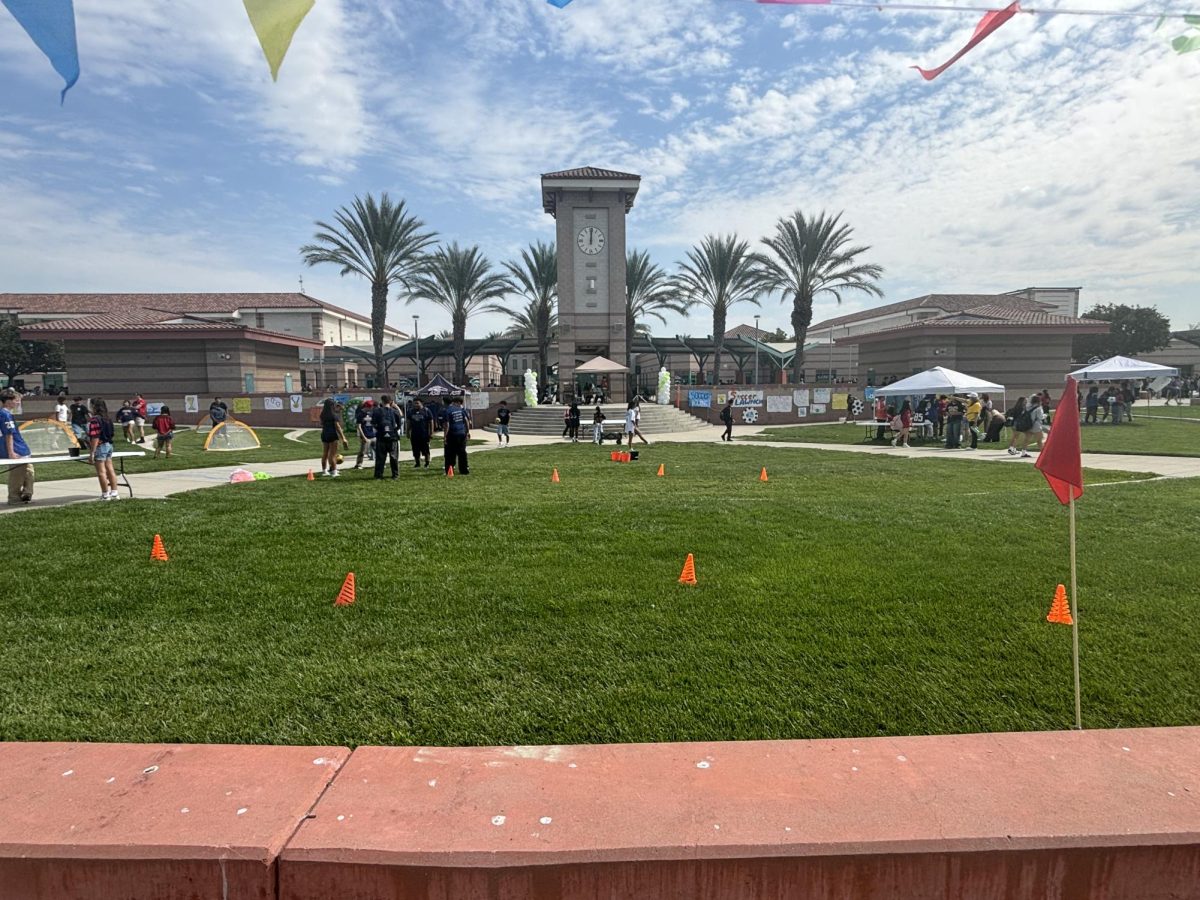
(986, 26)
(1060, 460)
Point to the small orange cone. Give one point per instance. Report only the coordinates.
(346, 595)
(762, 476)
(689, 571)
(661, 470)
(614, 456)
(310, 475)
(554, 477)
(450, 472)
(1060, 609)
(158, 551)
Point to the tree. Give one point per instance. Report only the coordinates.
(651, 292)
(1134, 330)
(461, 281)
(379, 241)
(535, 278)
(719, 273)
(18, 357)
(808, 257)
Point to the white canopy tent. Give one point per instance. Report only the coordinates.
(938, 380)
(600, 365)
(1123, 368)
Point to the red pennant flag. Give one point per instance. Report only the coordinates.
(1059, 459)
(989, 23)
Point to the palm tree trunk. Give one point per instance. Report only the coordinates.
(379, 295)
(630, 325)
(460, 349)
(801, 319)
(718, 343)
(543, 342)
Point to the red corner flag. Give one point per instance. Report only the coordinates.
(1059, 459)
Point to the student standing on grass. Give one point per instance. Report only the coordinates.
(365, 431)
(164, 431)
(974, 416)
(62, 413)
(139, 410)
(456, 435)
(420, 426)
(13, 446)
(573, 418)
(218, 412)
(598, 418)
(331, 435)
(502, 419)
(1091, 404)
(79, 422)
(633, 417)
(955, 410)
(385, 422)
(100, 441)
(727, 418)
(128, 419)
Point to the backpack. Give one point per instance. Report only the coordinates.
(1024, 422)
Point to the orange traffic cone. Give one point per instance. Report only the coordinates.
(554, 477)
(661, 470)
(346, 595)
(310, 475)
(1060, 609)
(762, 476)
(614, 456)
(689, 571)
(450, 472)
(158, 551)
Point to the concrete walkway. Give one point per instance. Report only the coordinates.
(160, 485)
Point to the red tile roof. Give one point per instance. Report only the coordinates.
(592, 172)
(944, 302)
(996, 315)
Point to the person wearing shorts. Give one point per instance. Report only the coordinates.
(79, 423)
(13, 447)
(331, 436)
(100, 442)
(139, 409)
(502, 418)
(164, 432)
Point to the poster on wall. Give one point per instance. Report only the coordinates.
(779, 404)
(839, 401)
(153, 409)
(746, 399)
(801, 412)
(817, 408)
(241, 406)
(821, 395)
(721, 398)
(273, 403)
(869, 394)
(191, 404)
(800, 398)
(479, 400)
(297, 403)
(700, 399)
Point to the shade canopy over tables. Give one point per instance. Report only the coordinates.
(1120, 368)
(439, 386)
(938, 380)
(600, 365)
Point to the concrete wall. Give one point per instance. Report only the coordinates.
(1183, 355)
(762, 414)
(1092, 815)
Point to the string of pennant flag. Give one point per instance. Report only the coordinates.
(51, 26)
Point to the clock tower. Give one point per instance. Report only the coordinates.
(589, 206)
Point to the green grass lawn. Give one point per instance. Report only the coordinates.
(189, 453)
(846, 596)
(1156, 437)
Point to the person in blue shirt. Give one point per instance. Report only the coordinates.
(385, 426)
(13, 446)
(456, 435)
(420, 427)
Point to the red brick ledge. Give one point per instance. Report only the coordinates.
(1066, 814)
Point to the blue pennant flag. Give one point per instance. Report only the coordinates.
(51, 24)
(559, 3)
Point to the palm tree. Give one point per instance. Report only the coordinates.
(719, 273)
(535, 278)
(461, 281)
(379, 241)
(809, 257)
(651, 292)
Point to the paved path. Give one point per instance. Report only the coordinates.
(160, 485)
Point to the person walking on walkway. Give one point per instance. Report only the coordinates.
(385, 423)
(955, 410)
(13, 447)
(573, 419)
(456, 435)
(974, 417)
(420, 427)
(727, 418)
(633, 418)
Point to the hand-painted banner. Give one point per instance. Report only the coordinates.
(51, 24)
(275, 22)
(988, 24)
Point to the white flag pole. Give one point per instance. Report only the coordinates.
(1075, 618)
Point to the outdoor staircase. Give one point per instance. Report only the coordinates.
(548, 420)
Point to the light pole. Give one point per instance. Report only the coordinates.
(417, 338)
(757, 338)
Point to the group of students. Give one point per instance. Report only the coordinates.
(1114, 404)
(956, 419)
(379, 428)
(572, 421)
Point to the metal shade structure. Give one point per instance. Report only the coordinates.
(600, 365)
(938, 380)
(1120, 368)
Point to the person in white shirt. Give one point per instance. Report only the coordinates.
(633, 418)
(61, 412)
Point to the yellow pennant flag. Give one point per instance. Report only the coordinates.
(275, 22)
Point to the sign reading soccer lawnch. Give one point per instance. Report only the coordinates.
(743, 399)
(700, 399)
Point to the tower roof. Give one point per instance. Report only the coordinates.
(588, 178)
(591, 172)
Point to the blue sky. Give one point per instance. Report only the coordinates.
(1063, 151)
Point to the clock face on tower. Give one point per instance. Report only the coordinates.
(590, 240)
